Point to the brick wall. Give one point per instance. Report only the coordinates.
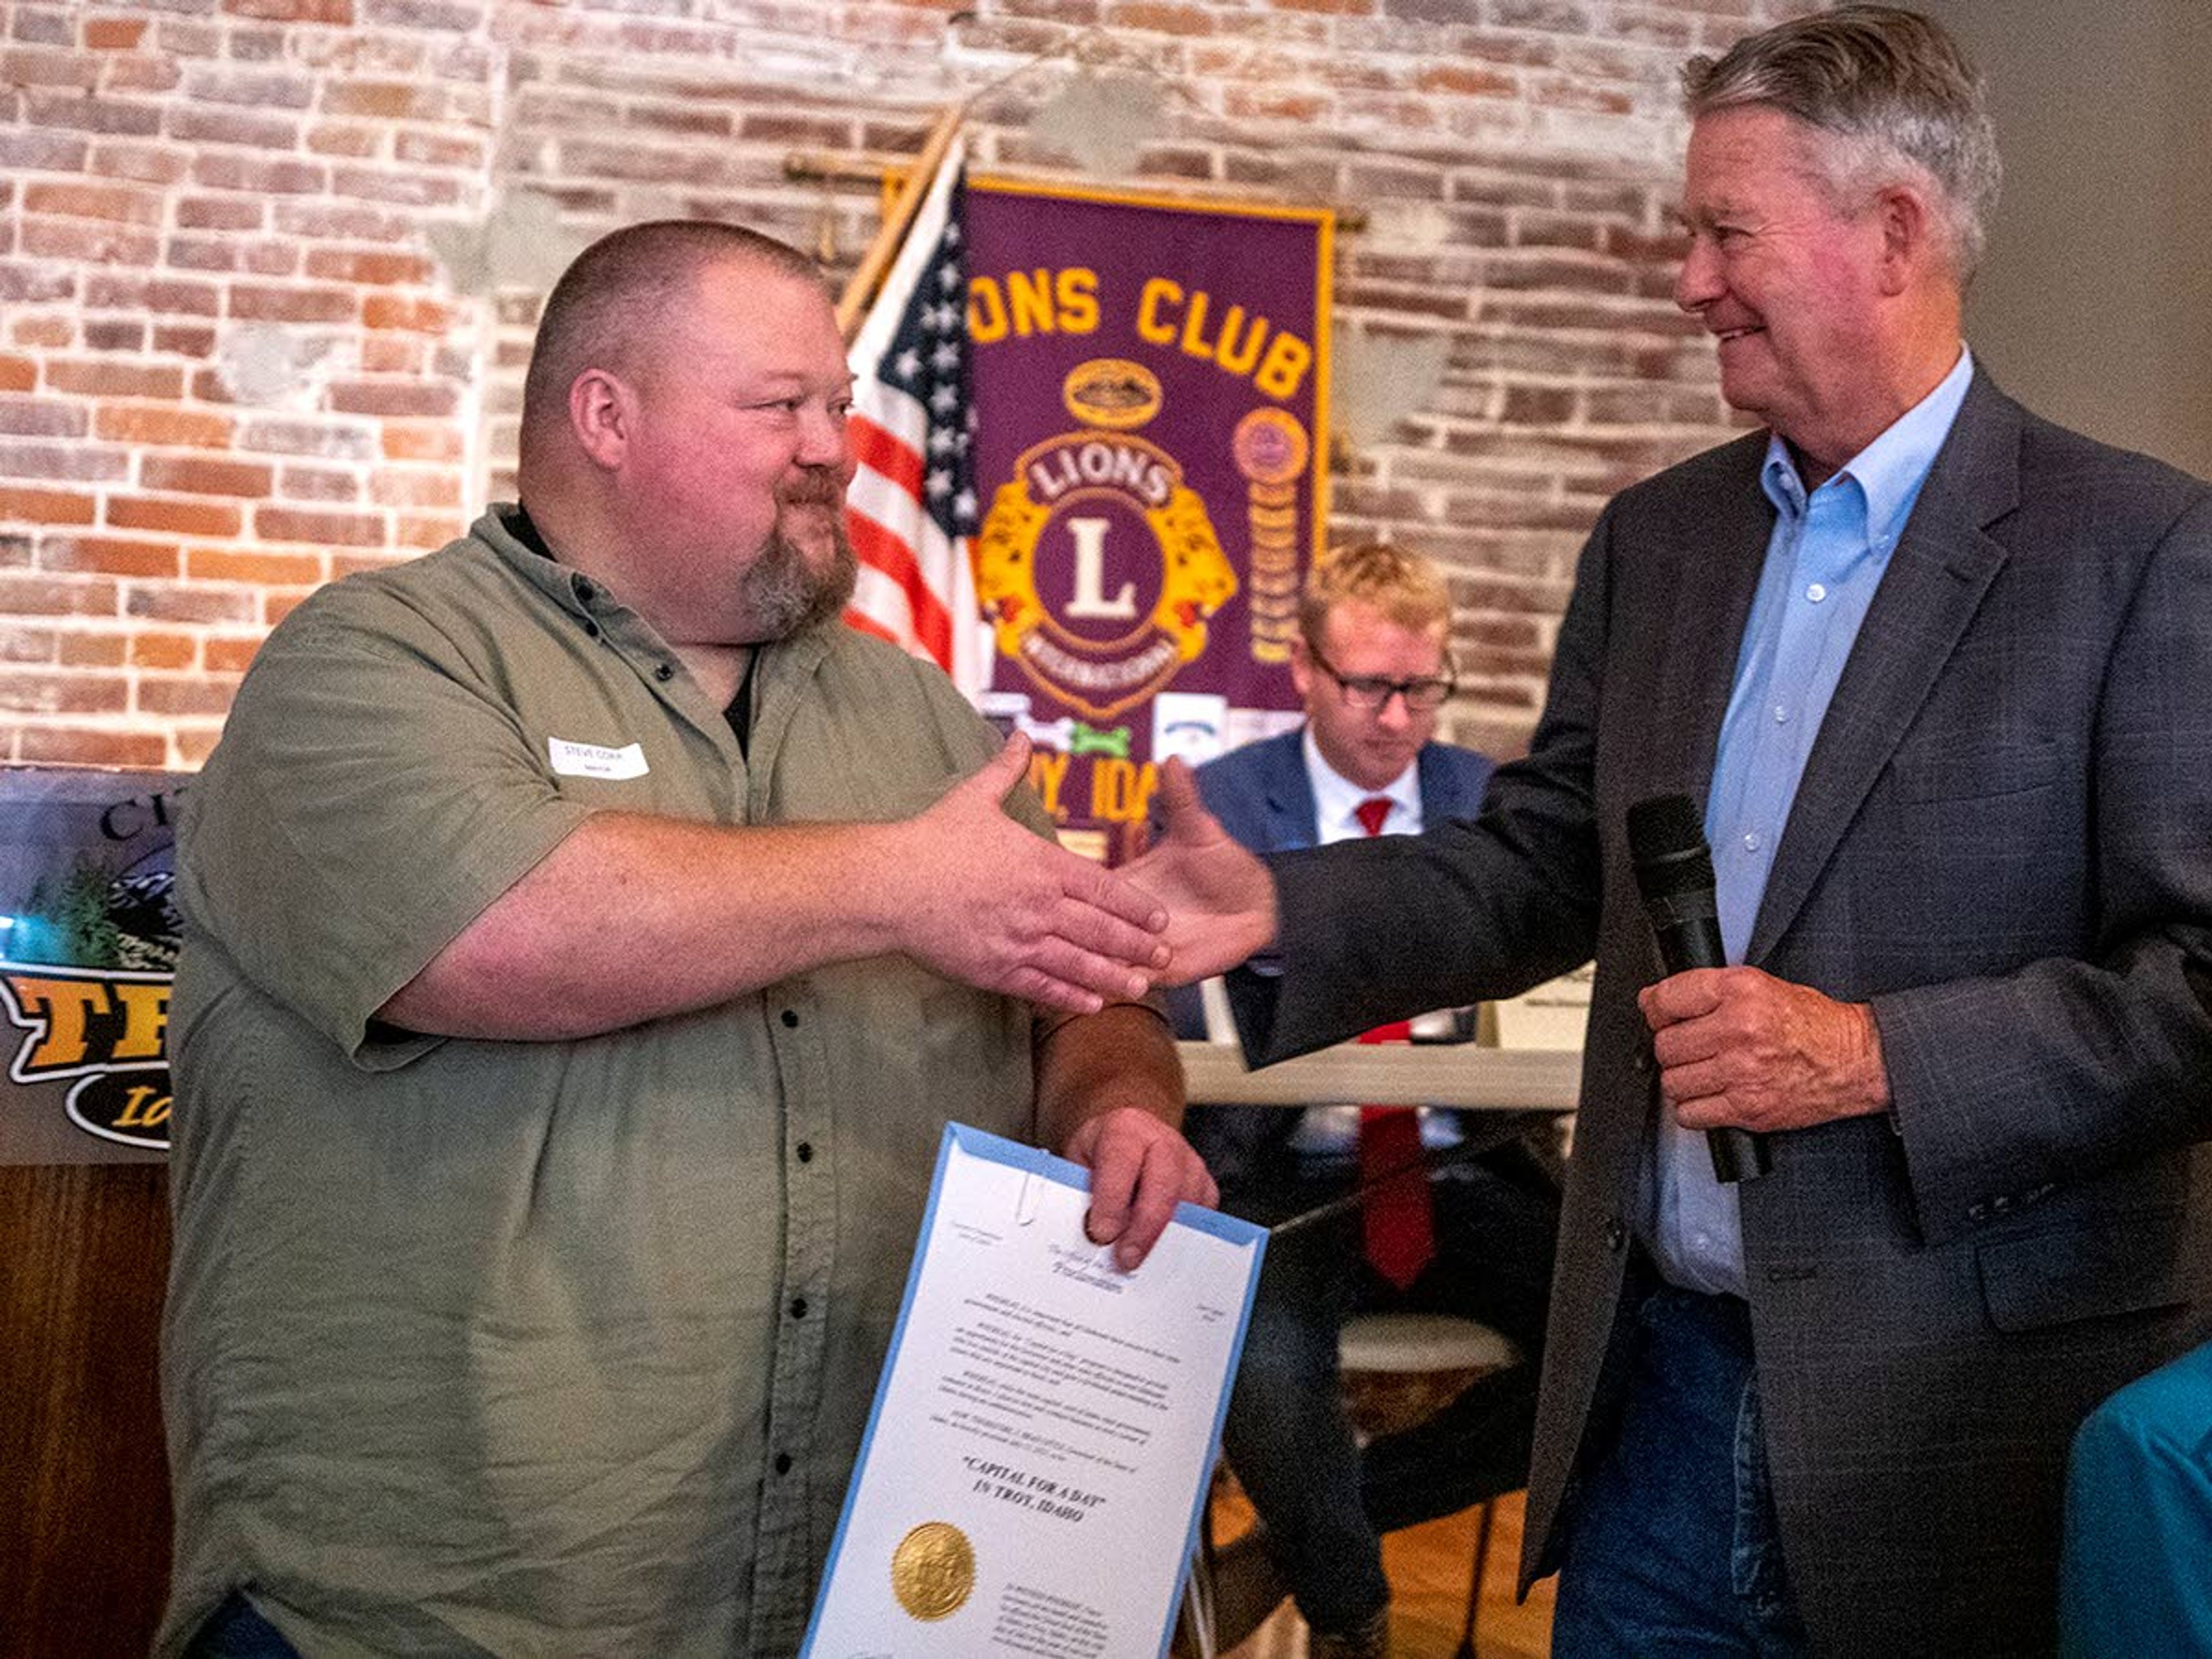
(268, 269)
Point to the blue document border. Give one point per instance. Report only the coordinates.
(996, 1149)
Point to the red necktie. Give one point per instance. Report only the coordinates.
(1399, 1219)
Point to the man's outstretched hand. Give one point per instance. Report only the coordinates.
(1220, 900)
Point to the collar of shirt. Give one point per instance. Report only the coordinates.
(1887, 474)
(1337, 798)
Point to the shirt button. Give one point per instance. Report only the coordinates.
(798, 1307)
(804, 1151)
(783, 1463)
(1616, 1236)
(583, 589)
(1781, 715)
(1817, 593)
(663, 672)
(790, 1017)
(1751, 843)
(591, 630)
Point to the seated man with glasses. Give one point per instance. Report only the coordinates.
(1372, 668)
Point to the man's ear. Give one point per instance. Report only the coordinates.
(1908, 236)
(602, 413)
(1301, 669)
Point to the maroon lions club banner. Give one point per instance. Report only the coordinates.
(1149, 377)
(88, 945)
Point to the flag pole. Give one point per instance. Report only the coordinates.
(853, 304)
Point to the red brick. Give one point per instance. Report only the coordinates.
(347, 220)
(178, 517)
(412, 189)
(393, 354)
(316, 483)
(43, 746)
(191, 602)
(185, 339)
(163, 650)
(27, 595)
(142, 74)
(218, 212)
(45, 505)
(345, 442)
(146, 164)
(91, 650)
(112, 556)
(194, 476)
(48, 107)
(98, 379)
(41, 417)
(232, 126)
(31, 692)
(43, 331)
(415, 488)
(379, 268)
(430, 529)
(201, 254)
(18, 374)
(421, 440)
(196, 696)
(78, 463)
(30, 67)
(356, 139)
(35, 645)
(231, 656)
(438, 150)
(113, 33)
(339, 12)
(190, 750)
(257, 302)
(396, 311)
(330, 529)
(122, 334)
(219, 170)
(262, 569)
(384, 100)
(393, 398)
(96, 241)
(1154, 18)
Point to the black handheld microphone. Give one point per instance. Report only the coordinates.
(1675, 874)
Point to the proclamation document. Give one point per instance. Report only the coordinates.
(1044, 1429)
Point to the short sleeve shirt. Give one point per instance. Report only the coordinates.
(535, 1347)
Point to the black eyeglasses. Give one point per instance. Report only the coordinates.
(1371, 692)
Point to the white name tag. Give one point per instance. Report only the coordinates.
(594, 760)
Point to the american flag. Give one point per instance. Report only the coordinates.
(912, 508)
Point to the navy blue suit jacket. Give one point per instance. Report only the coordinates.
(1264, 800)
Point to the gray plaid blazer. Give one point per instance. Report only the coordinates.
(2003, 841)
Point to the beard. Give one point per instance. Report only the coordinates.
(787, 589)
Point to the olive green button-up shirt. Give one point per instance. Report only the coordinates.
(535, 1347)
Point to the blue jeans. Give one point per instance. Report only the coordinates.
(235, 1631)
(1673, 1547)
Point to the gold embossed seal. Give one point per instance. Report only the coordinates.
(933, 1570)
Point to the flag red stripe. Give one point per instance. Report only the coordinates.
(882, 451)
(881, 551)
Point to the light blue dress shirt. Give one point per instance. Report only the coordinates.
(1823, 560)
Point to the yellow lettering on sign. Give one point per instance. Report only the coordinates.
(1239, 343)
(144, 1109)
(145, 1020)
(1026, 302)
(65, 1005)
(1288, 359)
(1048, 771)
(1121, 791)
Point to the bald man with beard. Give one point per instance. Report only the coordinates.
(588, 939)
